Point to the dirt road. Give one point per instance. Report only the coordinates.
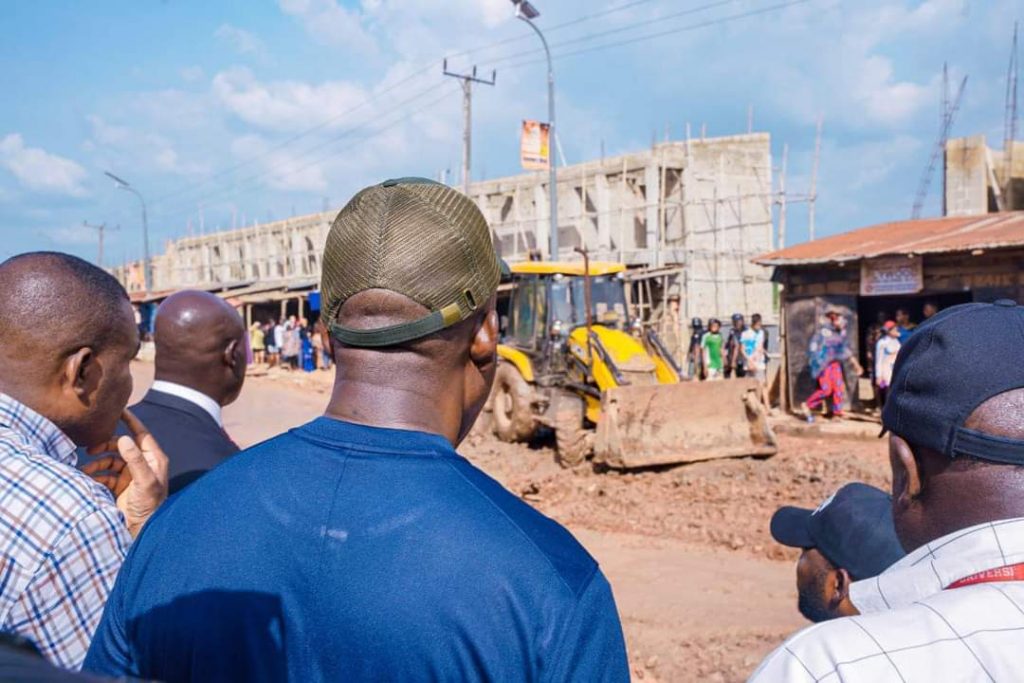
(703, 592)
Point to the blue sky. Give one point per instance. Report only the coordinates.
(235, 111)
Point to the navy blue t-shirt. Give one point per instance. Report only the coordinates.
(349, 553)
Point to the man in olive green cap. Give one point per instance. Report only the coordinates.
(361, 546)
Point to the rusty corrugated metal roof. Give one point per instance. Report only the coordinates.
(927, 236)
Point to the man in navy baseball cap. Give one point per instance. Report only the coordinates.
(849, 537)
(952, 608)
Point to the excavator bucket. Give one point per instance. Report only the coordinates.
(661, 424)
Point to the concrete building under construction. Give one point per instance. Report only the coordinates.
(982, 180)
(687, 216)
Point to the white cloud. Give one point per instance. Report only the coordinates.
(76, 234)
(192, 74)
(331, 24)
(41, 171)
(108, 137)
(284, 105)
(241, 41)
(283, 168)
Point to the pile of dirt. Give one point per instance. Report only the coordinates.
(721, 503)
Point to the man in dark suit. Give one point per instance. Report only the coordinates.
(200, 367)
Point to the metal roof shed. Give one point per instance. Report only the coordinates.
(870, 272)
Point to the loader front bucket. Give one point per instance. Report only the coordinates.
(674, 423)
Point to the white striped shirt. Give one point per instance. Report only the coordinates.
(912, 628)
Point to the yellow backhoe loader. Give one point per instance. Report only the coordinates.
(573, 361)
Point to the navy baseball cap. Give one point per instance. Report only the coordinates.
(954, 362)
(853, 528)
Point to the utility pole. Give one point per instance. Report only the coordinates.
(814, 180)
(782, 198)
(100, 230)
(147, 271)
(526, 13)
(1010, 123)
(467, 81)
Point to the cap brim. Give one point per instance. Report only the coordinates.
(790, 526)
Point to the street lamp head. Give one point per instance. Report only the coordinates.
(525, 10)
(123, 184)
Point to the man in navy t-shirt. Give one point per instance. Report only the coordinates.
(361, 546)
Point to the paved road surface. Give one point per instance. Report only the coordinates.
(678, 602)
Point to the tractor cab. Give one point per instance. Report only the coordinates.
(573, 361)
(549, 301)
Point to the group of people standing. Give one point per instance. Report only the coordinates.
(742, 352)
(292, 344)
(359, 546)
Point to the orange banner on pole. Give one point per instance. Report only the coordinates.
(534, 146)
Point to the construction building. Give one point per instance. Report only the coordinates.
(982, 180)
(687, 216)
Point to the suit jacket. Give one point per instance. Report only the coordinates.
(193, 441)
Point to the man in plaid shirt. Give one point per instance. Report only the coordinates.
(953, 609)
(64, 385)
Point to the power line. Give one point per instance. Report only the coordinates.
(183, 210)
(321, 144)
(377, 95)
(619, 29)
(660, 34)
(297, 136)
(550, 29)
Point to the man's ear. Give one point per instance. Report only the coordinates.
(906, 476)
(485, 342)
(230, 356)
(840, 587)
(80, 372)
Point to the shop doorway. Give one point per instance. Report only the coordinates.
(877, 309)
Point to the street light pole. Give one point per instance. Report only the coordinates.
(147, 274)
(527, 12)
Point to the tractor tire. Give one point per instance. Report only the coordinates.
(573, 441)
(511, 409)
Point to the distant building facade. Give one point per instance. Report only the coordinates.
(687, 216)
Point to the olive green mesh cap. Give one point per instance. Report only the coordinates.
(415, 237)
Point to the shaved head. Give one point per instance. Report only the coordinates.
(67, 334)
(51, 302)
(199, 343)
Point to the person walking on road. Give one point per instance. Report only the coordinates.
(64, 385)
(828, 351)
(951, 609)
(362, 546)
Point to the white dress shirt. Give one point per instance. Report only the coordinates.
(192, 396)
(912, 628)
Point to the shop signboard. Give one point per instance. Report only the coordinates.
(891, 276)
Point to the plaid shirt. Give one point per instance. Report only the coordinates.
(912, 628)
(62, 539)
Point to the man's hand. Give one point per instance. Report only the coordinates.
(137, 476)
